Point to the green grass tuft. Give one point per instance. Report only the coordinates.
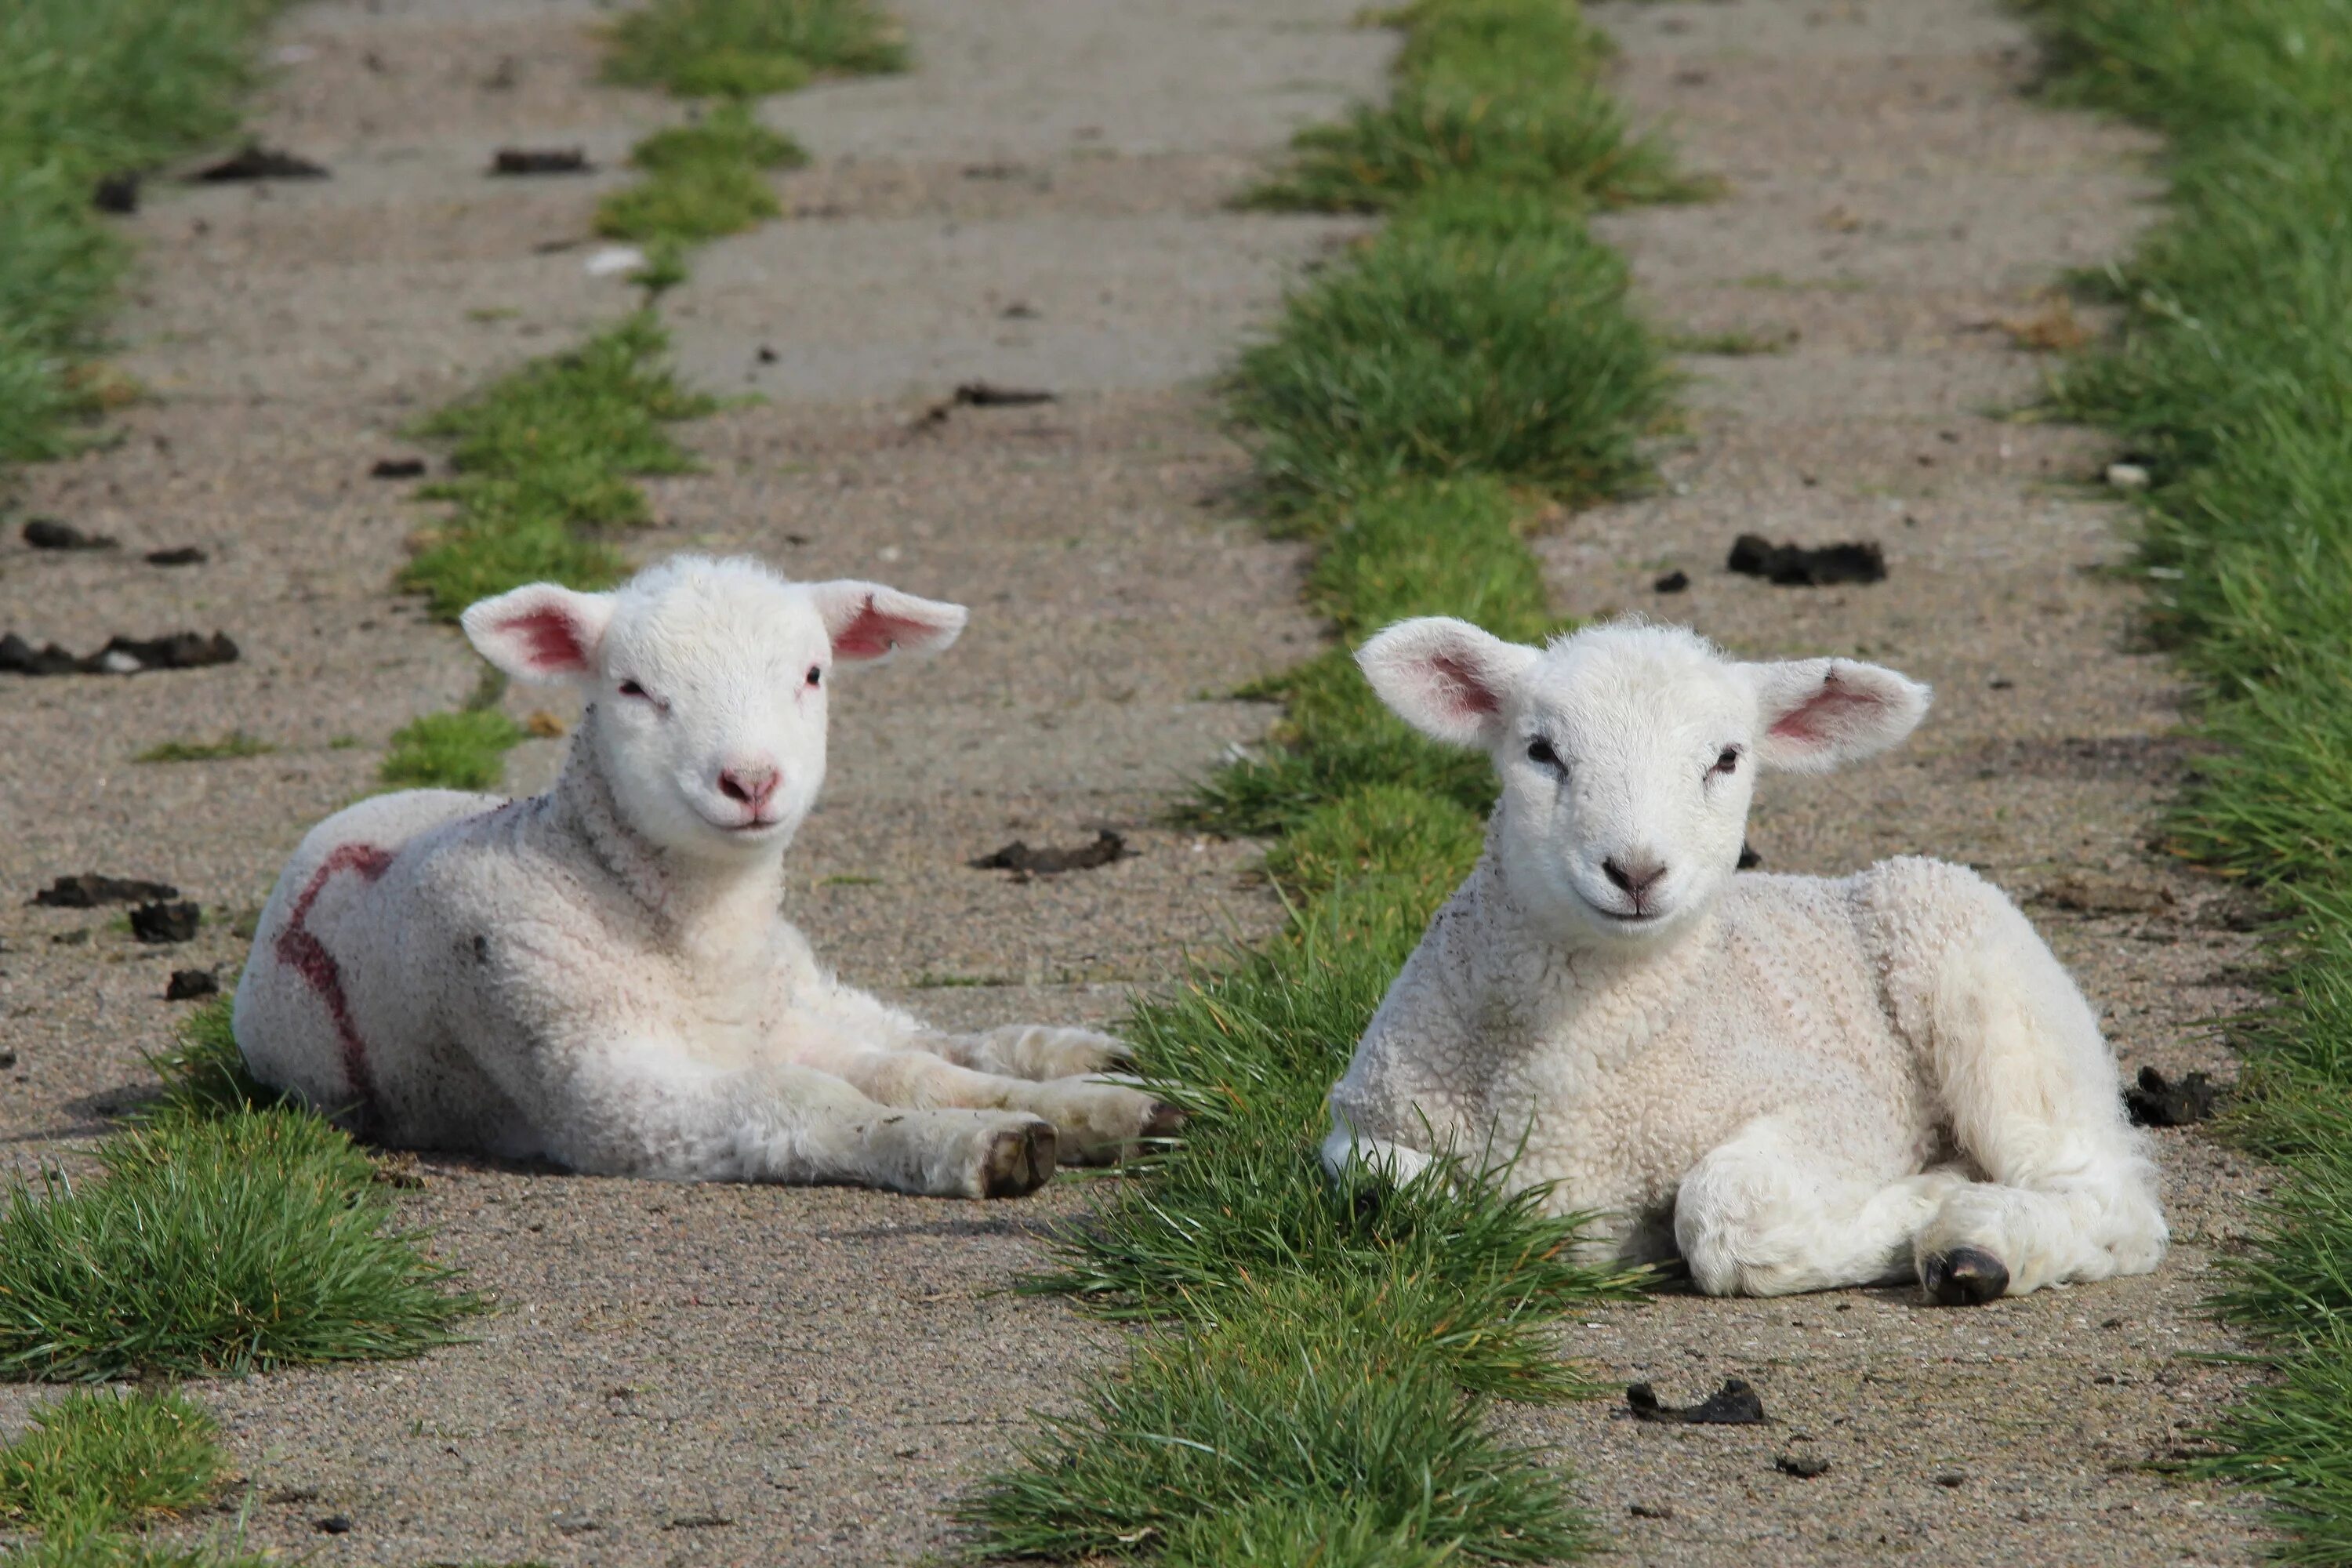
(204, 1070)
(1284, 1418)
(462, 750)
(236, 743)
(546, 453)
(101, 1461)
(1502, 92)
(705, 180)
(1481, 334)
(214, 1243)
(89, 87)
(2233, 379)
(745, 48)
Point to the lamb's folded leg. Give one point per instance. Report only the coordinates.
(1780, 1208)
(636, 1108)
(1098, 1122)
(2029, 1088)
(1029, 1051)
(1345, 1147)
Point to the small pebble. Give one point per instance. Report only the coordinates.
(1650, 1511)
(2127, 476)
(1804, 1466)
(335, 1524)
(1951, 1477)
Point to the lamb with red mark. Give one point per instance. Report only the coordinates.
(602, 977)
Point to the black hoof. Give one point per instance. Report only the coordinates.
(1964, 1276)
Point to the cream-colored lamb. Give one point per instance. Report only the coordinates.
(1795, 1082)
(603, 975)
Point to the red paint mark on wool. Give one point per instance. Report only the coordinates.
(309, 957)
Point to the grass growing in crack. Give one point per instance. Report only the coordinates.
(703, 179)
(463, 749)
(236, 743)
(1504, 92)
(2234, 381)
(1315, 1382)
(97, 1462)
(546, 454)
(88, 89)
(1481, 333)
(744, 48)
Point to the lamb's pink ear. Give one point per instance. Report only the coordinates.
(1445, 677)
(540, 632)
(1815, 714)
(866, 620)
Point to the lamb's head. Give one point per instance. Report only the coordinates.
(1628, 753)
(707, 684)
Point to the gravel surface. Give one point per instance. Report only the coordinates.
(730, 1374)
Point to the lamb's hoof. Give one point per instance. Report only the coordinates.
(1964, 1276)
(1017, 1161)
(1165, 1121)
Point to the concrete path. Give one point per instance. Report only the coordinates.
(719, 1375)
(1893, 195)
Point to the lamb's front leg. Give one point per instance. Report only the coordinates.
(1098, 1122)
(1030, 1050)
(1782, 1207)
(647, 1108)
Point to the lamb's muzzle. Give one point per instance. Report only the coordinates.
(1793, 1082)
(602, 975)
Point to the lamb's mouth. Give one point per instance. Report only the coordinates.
(1621, 917)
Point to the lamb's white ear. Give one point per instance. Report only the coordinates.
(866, 620)
(1445, 677)
(1815, 714)
(540, 632)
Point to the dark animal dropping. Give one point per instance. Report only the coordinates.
(1672, 583)
(542, 161)
(2157, 1102)
(1024, 862)
(1804, 1466)
(988, 394)
(397, 468)
(187, 985)
(116, 194)
(1733, 1404)
(121, 656)
(49, 534)
(91, 889)
(1796, 565)
(255, 162)
(185, 555)
(165, 922)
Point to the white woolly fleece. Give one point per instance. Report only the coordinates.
(1794, 1082)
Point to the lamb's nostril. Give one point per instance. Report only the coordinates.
(1637, 878)
(751, 787)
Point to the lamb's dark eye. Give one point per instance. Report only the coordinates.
(1539, 751)
(631, 688)
(1728, 763)
(816, 676)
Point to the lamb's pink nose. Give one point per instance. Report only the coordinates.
(752, 784)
